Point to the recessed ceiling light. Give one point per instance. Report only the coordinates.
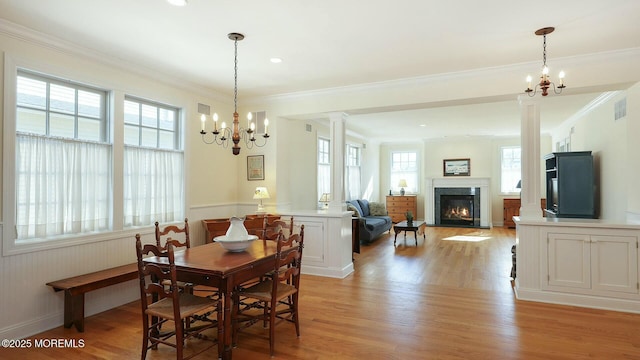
(177, 2)
(423, 125)
(276, 60)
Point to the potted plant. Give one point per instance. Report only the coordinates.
(409, 216)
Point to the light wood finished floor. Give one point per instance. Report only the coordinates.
(448, 298)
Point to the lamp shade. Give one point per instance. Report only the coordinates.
(326, 197)
(519, 185)
(402, 183)
(261, 193)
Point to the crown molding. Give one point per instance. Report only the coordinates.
(43, 40)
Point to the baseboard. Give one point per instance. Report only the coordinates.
(595, 302)
(328, 272)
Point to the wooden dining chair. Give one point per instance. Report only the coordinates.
(162, 235)
(161, 304)
(272, 228)
(162, 239)
(276, 295)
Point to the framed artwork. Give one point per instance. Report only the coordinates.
(255, 167)
(456, 167)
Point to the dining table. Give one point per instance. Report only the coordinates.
(214, 266)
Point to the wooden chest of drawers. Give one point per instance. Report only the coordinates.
(511, 208)
(397, 207)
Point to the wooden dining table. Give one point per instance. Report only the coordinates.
(212, 265)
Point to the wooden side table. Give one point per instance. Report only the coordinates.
(414, 226)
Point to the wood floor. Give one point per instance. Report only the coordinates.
(449, 297)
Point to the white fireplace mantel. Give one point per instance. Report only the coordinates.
(459, 182)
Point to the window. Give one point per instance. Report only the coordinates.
(62, 160)
(153, 163)
(353, 179)
(511, 164)
(324, 167)
(404, 165)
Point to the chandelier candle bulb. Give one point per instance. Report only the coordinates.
(249, 117)
(215, 122)
(202, 120)
(266, 124)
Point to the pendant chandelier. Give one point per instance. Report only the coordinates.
(545, 83)
(222, 135)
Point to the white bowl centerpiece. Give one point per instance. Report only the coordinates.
(237, 238)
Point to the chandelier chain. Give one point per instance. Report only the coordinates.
(544, 51)
(235, 77)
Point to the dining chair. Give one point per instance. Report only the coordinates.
(160, 233)
(162, 239)
(271, 229)
(277, 294)
(161, 304)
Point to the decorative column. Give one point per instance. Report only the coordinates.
(337, 122)
(530, 207)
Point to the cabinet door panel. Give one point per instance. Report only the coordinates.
(569, 260)
(615, 263)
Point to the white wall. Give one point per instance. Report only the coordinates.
(611, 143)
(27, 305)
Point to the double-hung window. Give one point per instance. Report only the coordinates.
(324, 167)
(153, 163)
(404, 166)
(511, 164)
(62, 158)
(353, 178)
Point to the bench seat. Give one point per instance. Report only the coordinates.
(75, 287)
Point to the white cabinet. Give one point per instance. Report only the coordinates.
(591, 262)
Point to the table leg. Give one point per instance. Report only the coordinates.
(396, 237)
(415, 235)
(227, 303)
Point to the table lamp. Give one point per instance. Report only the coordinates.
(325, 199)
(261, 193)
(402, 184)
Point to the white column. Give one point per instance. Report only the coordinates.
(337, 122)
(530, 207)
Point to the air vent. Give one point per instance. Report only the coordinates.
(204, 109)
(620, 109)
(308, 127)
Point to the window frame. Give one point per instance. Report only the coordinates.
(394, 187)
(12, 64)
(502, 171)
(348, 166)
(327, 164)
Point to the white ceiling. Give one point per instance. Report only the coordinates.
(340, 43)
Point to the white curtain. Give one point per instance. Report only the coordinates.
(324, 180)
(353, 183)
(63, 186)
(153, 186)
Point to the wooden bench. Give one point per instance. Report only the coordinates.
(75, 288)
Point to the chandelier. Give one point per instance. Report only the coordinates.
(222, 135)
(545, 83)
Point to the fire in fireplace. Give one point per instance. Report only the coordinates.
(457, 207)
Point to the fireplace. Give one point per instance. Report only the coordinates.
(458, 207)
(458, 182)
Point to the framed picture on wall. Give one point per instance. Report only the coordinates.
(456, 167)
(255, 167)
